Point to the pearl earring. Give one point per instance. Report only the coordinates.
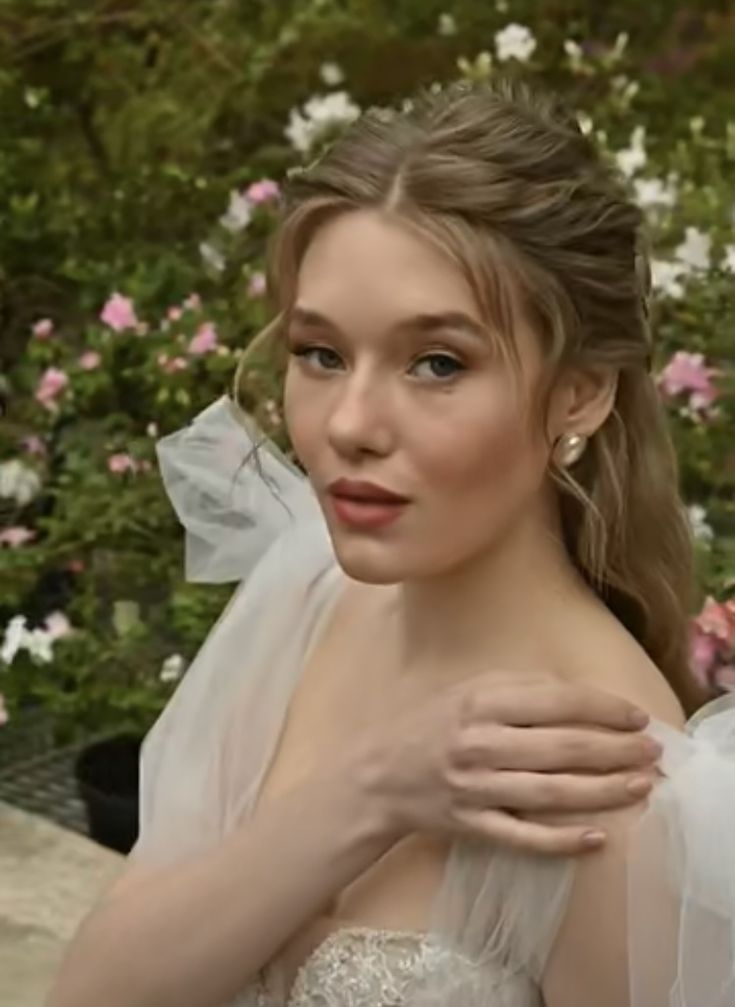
(569, 449)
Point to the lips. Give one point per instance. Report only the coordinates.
(364, 492)
(365, 506)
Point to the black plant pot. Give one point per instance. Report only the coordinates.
(107, 778)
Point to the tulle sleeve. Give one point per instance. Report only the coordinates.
(233, 491)
(251, 519)
(681, 874)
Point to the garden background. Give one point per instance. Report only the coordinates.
(143, 143)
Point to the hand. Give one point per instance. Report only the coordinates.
(471, 758)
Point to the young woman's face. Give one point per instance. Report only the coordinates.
(379, 388)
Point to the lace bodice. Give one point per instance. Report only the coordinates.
(368, 967)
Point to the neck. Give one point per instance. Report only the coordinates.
(499, 606)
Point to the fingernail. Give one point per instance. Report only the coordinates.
(638, 786)
(593, 838)
(638, 718)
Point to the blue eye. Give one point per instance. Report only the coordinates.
(442, 366)
(325, 359)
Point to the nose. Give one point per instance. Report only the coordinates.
(359, 420)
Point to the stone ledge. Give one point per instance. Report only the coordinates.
(50, 878)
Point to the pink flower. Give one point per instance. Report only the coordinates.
(119, 313)
(75, 566)
(193, 302)
(90, 360)
(58, 625)
(702, 654)
(263, 191)
(15, 536)
(174, 313)
(717, 620)
(257, 284)
(170, 365)
(34, 445)
(121, 462)
(43, 329)
(205, 340)
(687, 372)
(52, 383)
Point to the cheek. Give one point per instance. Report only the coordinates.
(301, 417)
(488, 459)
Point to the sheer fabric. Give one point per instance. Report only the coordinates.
(251, 517)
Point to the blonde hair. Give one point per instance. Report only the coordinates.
(503, 178)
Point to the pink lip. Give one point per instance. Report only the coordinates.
(358, 489)
(366, 514)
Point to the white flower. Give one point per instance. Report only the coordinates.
(152, 429)
(331, 74)
(239, 213)
(585, 123)
(212, 256)
(39, 645)
(38, 642)
(701, 530)
(18, 481)
(477, 69)
(447, 25)
(653, 192)
(320, 112)
(515, 41)
(172, 668)
(695, 249)
(15, 638)
(728, 262)
(573, 50)
(666, 276)
(627, 89)
(633, 157)
(619, 48)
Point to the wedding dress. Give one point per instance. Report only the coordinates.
(251, 517)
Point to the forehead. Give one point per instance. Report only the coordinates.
(366, 264)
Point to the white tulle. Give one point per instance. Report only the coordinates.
(251, 517)
(681, 877)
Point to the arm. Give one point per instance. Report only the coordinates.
(194, 935)
(590, 959)
(588, 963)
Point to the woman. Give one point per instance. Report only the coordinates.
(341, 805)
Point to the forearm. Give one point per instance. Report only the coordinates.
(200, 932)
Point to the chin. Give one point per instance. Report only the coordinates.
(371, 562)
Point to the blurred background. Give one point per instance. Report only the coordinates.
(142, 150)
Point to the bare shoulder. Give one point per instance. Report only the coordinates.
(605, 656)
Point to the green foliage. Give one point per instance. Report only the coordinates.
(126, 126)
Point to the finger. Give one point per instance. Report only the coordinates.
(530, 837)
(552, 749)
(530, 704)
(539, 792)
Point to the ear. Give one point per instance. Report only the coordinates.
(582, 400)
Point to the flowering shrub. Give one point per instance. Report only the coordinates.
(135, 260)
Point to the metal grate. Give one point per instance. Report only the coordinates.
(45, 785)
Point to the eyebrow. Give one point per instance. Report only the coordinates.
(426, 322)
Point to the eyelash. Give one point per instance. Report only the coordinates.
(304, 351)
